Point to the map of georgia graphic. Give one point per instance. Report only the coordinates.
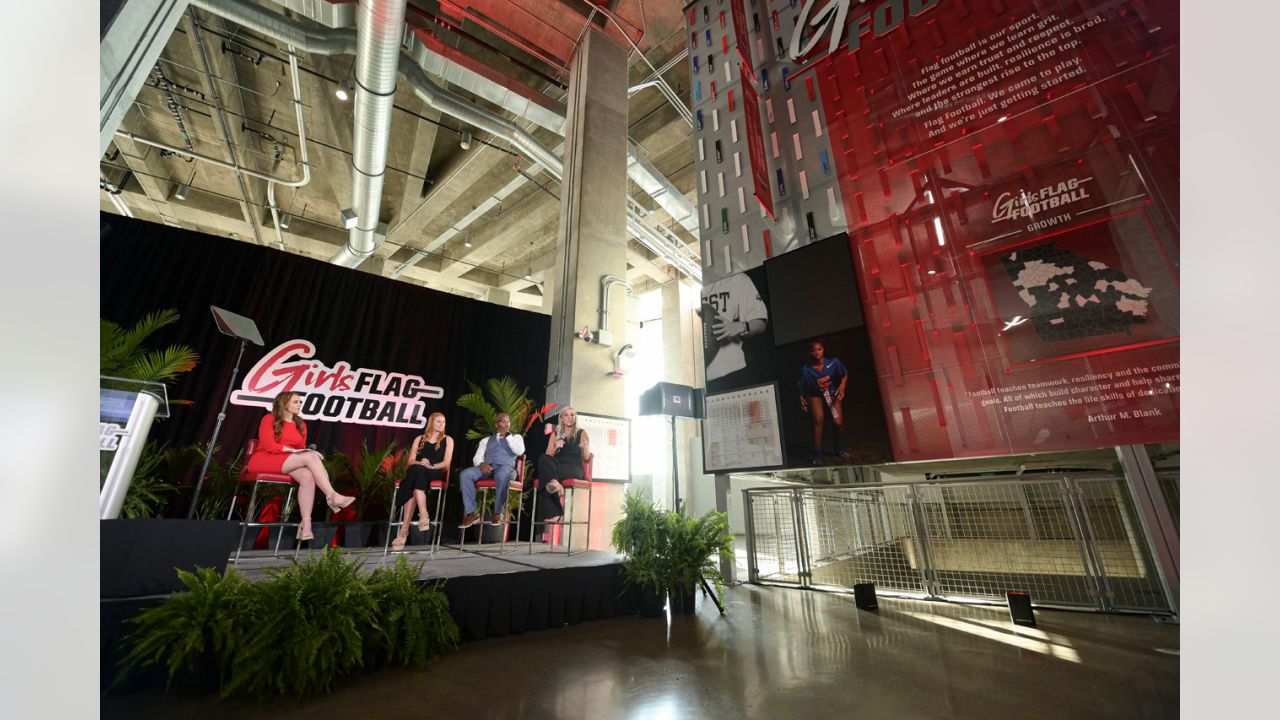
(1070, 296)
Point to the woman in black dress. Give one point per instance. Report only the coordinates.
(431, 453)
(566, 452)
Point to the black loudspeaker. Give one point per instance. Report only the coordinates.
(864, 596)
(140, 557)
(667, 398)
(1020, 608)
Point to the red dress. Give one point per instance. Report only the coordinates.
(270, 454)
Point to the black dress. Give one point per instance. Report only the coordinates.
(419, 477)
(565, 464)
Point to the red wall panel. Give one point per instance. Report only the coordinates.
(984, 144)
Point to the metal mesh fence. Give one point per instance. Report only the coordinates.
(987, 539)
(1065, 541)
(863, 535)
(1125, 566)
(773, 537)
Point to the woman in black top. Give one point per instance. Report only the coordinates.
(566, 452)
(431, 453)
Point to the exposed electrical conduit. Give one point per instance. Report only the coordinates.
(607, 282)
(222, 121)
(684, 53)
(670, 94)
(302, 144)
(330, 42)
(458, 227)
(115, 197)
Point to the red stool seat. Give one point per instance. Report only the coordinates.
(570, 487)
(487, 485)
(256, 479)
(395, 521)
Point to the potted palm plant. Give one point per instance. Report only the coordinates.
(371, 474)
(501, 395)
(123, 353)
(641, 536)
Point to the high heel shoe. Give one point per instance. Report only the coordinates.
(398, 543)
(337, 502)
(305, 535)
(424, 524)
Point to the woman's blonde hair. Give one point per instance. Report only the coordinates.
(560, 420)
(431, 421)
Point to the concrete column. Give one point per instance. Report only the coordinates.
(592, 244)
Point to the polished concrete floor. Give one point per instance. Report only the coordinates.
(779, 653)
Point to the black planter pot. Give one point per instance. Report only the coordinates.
(492, 534)
(652, 603)
(683, 599)
(355, 534)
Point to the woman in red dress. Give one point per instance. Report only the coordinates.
(282, 448)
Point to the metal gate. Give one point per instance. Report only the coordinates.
(1069, 541)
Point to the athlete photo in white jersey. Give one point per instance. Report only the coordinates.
(732, 311)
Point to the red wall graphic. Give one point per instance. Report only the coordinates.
(1009, 174)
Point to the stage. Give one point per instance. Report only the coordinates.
(490, 595)
(448, 562)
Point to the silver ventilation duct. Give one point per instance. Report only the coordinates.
(274, 25)
(379, 32)
(340, 41)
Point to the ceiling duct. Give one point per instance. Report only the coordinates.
(331, 42)
(326, 12)
(379, 32)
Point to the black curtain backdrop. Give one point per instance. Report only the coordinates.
(368, 321)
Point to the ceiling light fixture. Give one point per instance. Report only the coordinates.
(467, 241)
(181, 192)
(285, 219)
(345, 88)
(466, 140)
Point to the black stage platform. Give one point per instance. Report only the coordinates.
(490, 595)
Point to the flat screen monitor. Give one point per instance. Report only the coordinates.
(813, 291)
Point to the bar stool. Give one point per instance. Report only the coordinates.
(396, 519)
(571, 487)
(271, 481)
(487, 485)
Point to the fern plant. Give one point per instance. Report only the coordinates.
(691, 544)
(414, 625)
(640, 535)
(297, 632)
(306, 632)
(209, 617)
